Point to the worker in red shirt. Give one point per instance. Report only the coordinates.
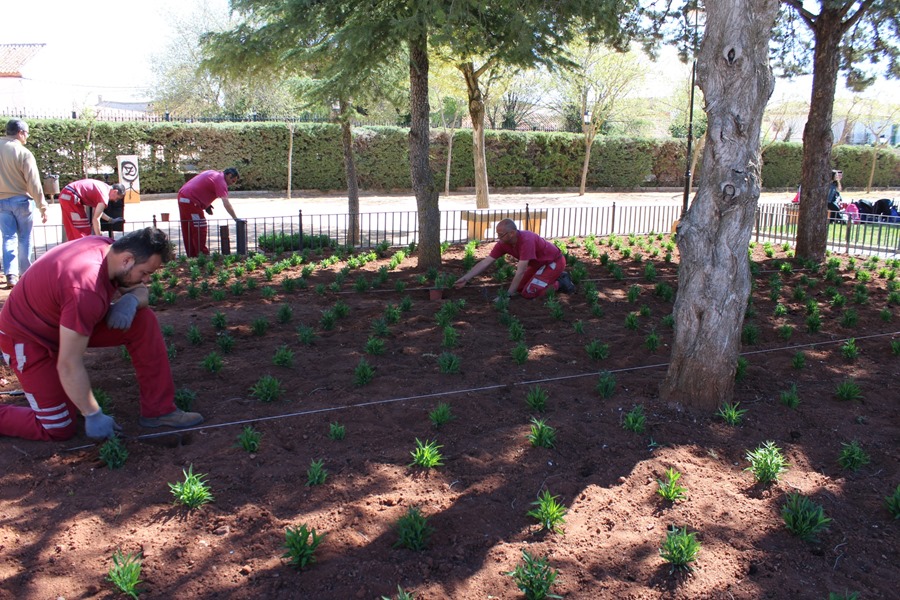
(541, 264)
(61, 307)
(76, 197)
(197, 196)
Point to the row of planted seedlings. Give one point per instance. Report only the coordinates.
(427, 453)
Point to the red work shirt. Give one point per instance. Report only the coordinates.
(529, 246)
(68, 286)
(204, 188)
(91, 192)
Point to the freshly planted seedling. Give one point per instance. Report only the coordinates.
(597, 350)
(328, 319)
(633, 292)
(301, 543)
(680, 549)
(374, 346)
(634, 420)
(785, 332)
(853, 457)
(803, 517)
(212, 362)
(284, 357)
(536, 399)
(267, 389)
(892, 503)
(249, 439)
(669, 488)
(631, 321)
(219, 320)
(766, 463)
(549, 513)
(440, 415)
(740, 369)
(750, 334)
(267, 292)
(285, 313)
(113, 453)
(427, 455)
(448, 363)
(731, 414)
(260, 326)
(184, 398)
(413, 530)
(848, 390)
(225, 342)
(125, 573)
(798, 361)
(194, 336)
(306, 335)
(850, 350)
(363, 373)
(316, 473)
(104, 400)
(813, 323)
(535, 577)
(579, 327)
(850, 318)
(451, 337)
(652, 342)
(379, 327)
(193, 492)
(606, 384)
(790, 397)
(520, 353)
(541, 434)
(336, 431)
(895, 347)
(780, 310)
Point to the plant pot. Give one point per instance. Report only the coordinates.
(435, 293)
(164, 216)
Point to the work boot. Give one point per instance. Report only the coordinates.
(565, 284)
(177, 418)
(11, 281)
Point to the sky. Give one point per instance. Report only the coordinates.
(105, 48)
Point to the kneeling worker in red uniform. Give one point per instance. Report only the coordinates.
(540, 268)
(61, 307)
(75, 197)
(196, 197)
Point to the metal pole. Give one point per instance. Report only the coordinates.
(690, 129)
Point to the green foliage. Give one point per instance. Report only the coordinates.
(440, 415)
(316, 473)
(766, 463)
(212, 362)
(450, 337)
(363, 373)
(427, 455)
(798, 361)
(285, 313)
(536, 399)
(892, 503)
(535, 577)
(803, 517)
(113, 453)
(301, 543)
(336, 431)
(306, 335)
(848, 390)
(549, 513)
(852, 456)
(731, 414)
(194, 336)
(631, 321)
(448, 363)
(413, 530)
(284, 356)
(850, 350)
(104, 400)
(193, 492)
(597, 350)
(652, 341)
(680, 548)
(225, 342)
(267, 389)
(374, 346)
(606, 384)
(249, 439)
(670, 489)
(219, 320)
(635, 420)
(519, 353)
(740, 370)
(790, 397)
(125, 573)
(260, 326)
(541, 434)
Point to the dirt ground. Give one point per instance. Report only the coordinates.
(63, 513)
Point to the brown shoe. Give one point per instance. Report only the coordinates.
(177, 418)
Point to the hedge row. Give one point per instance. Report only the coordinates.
(167, 151)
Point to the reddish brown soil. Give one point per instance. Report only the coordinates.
(63, 514)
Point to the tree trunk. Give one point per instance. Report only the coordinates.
(815, 175)
(589, 133)
(476, 113)
(449, 162)
(420, 170)
(874, 163)
(714, 276)
(353, 237)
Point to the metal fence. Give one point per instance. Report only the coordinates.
(775, 222)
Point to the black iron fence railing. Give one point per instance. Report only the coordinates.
(775, 223)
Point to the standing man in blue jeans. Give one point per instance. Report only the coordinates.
(20, 192)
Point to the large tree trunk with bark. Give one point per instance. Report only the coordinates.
(420, 170)
(714, 276)
(818, 137)
(353, 237)
(476, 113)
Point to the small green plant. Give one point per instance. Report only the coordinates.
(249, 439)
(450, 337)
(680, 548)
(750, 334)
(790, 397)
(606, 384)
(535, 577)
(125, 573)
(284, 357)
(597, 350)
(652, 342)
(104, 400)
(848, 390)
(184, 398)
(427, 455)
(853, 457)
(850, 350)
(895, 347)
(316, 473)
(631, 321)
(549, 513)
(813, 323)
(225, 342)
(670, 489)
(798, 361)
(413, 530)
(780, 310)
(578, 326)
(803, 517)
(306, 335)
(260, 326)
(336, 431)
(285, 313)
(536, 399)
(740, 368)
(731, 414)
(440, 415)
(328, 319)
(785, 331)
(363, 373)
(633, 292)
(520, 353)
(194, 336)
(541, 434)
(448, 363)
(634, 420)
(843, 595)
(212, 362)
(113, 453)
(892, 503)
(401, 595)
(516, 330)
(766, 463)
(218, 320)
(374, 346)
(193, 492)
(849, 318)
(301, 543)
(267, 389)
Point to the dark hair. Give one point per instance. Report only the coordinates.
(231, 171)
(145, 243)
(119, 188)
(14, 126)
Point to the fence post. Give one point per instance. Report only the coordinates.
(527, 218)
(758, 211)
(301, 229)
(847, 245)
(612, 226)
(225, 239)
(241, 233)
(154, 222)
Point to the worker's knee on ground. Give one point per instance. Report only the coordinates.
(61, 434)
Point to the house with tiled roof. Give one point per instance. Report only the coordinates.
(13, 87)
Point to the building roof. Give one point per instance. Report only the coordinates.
(14, 56)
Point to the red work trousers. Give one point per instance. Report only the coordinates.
(74, 216)
(50, 414)
(538, 280)
(193, 227)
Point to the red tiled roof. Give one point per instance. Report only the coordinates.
(13, 56)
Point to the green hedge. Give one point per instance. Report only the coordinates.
(166, 151)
